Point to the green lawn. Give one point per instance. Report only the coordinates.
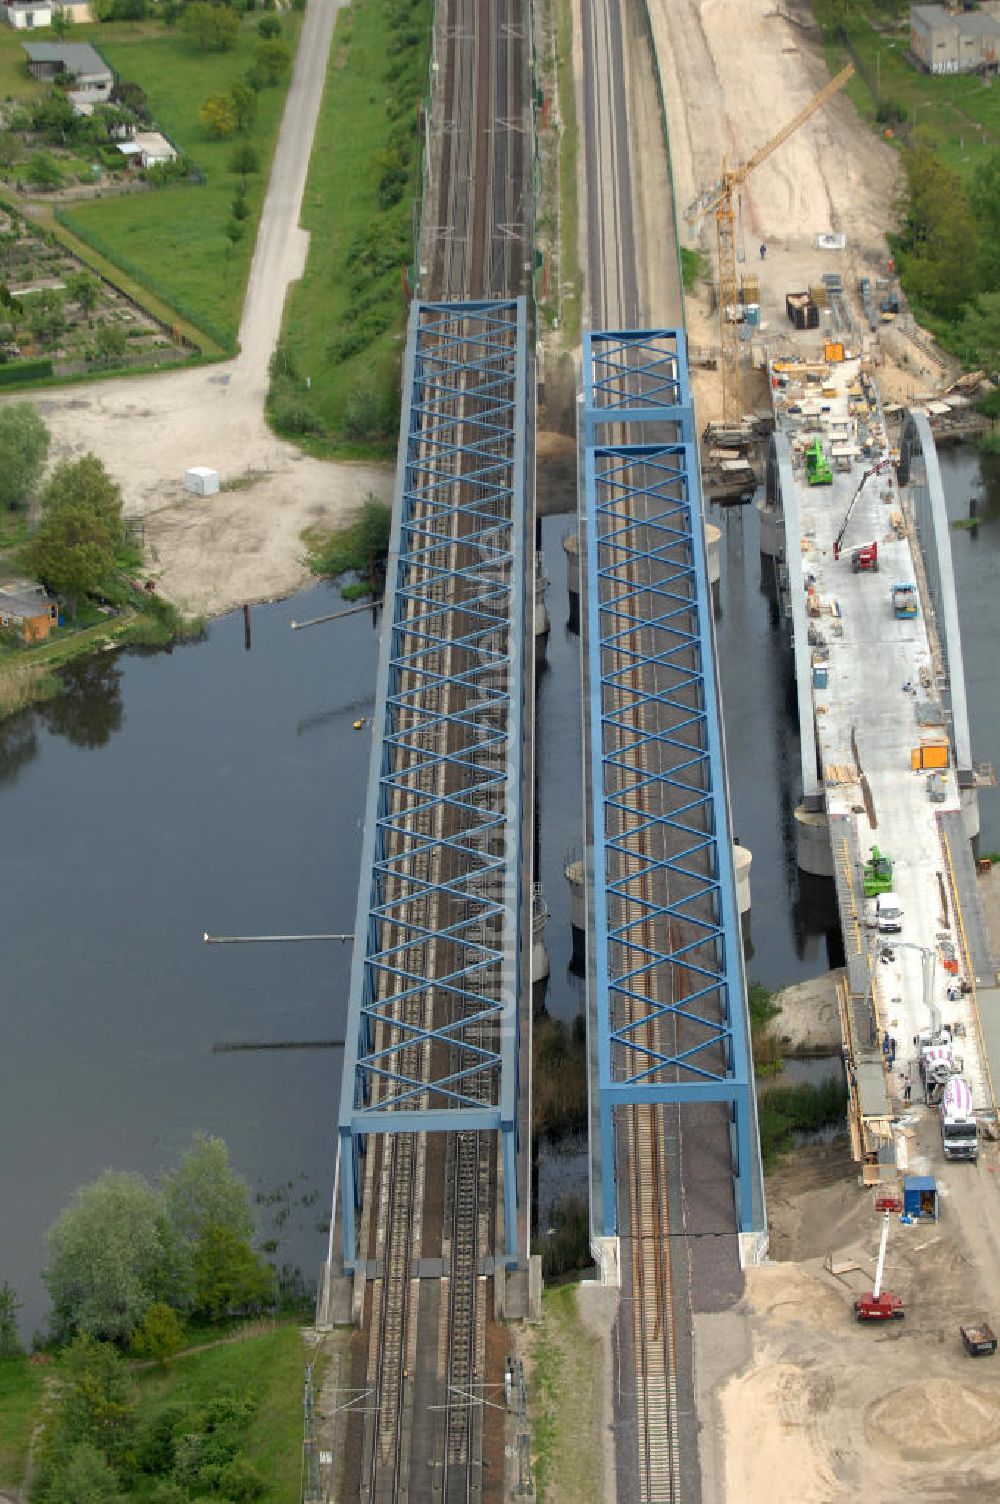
(173, 241)
(344, 320)
(15, 80)
(565, 1405)
(962, 114)
(20, 1391)
(271, 1368)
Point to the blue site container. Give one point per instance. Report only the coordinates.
(920, 1196)
(820, 675)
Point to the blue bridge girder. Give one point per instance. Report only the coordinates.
(666, 957)
(432, 1029)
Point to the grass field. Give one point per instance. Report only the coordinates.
(270, 1367)
(20, 1391)
(174, 241)
(344, 320)
(15, 80)
(960, 114)
(566, 1402)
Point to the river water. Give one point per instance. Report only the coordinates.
(164, 795)
(211, 788)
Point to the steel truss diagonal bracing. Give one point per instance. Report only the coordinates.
(671, 1011)
(432, 1032)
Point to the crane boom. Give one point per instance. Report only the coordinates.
(837, 542)
(720, 198)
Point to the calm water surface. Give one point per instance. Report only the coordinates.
(162, 796)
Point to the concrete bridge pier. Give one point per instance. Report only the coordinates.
(577, 911)
(813, 852)
(770, 529)
(571, 545)
(541, 613)
(539, 950)
(713, 558)
(742, 858)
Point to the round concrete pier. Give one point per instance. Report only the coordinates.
(571, 545)
(742, 858)
(770, 529)
(577, 908)
(539, 951)
(813, 852)
(541, 614)
(713, 552)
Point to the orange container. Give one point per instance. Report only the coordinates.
(929, 755)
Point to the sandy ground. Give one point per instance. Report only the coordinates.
(808, 1022)
(211, 554)
(724, 101)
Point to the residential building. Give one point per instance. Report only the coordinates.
(147, 149)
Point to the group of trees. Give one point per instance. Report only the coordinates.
(74, 547)
(130, 1262)
(948, 247)
(223, 115)
(95, 1443)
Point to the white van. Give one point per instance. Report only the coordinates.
(888, 913)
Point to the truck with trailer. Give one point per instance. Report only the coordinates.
(959, 1130)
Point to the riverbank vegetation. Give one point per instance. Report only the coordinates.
(947, 128)
(559, 1077)
(784, 1111)
(222, 1423)
(151, 1385)
(80, 551)
(335, 375)
(359, 550)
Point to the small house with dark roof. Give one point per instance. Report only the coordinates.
(81, 62)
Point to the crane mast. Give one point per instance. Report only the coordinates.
(720, 198)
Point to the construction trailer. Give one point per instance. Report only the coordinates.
(920, 1196)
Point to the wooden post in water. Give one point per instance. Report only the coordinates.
(246, 627)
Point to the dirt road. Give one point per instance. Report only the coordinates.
(209, 555)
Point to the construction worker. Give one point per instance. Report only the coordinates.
(763, 252)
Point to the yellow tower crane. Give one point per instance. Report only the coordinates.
(720, 198)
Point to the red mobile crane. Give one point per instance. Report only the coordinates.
(865, 557)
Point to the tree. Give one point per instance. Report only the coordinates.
(229, 1276)
(211, 25)
(105, 1247)
(272, 60)
(111, 343)
(241, 209)
(204, 1191)
(96, 1398)
(939, 237)
(10, 1340)
(244, 103)
(234, 232)
(218, 116)
(978, 335)
(83, 289)
(42, 170)
(241, 1480)
(245, 160)
(24, 447)
(72, 559)
(84, 1477)
(85, 482)
(46, 315)
(161, 1334)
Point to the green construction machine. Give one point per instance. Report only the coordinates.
(877, 873)
(818, 472)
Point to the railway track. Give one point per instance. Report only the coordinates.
(475, 246)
